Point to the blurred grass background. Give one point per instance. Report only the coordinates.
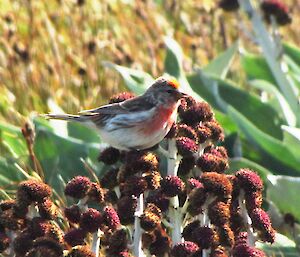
(55, 49)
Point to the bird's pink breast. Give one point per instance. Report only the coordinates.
(162, 116)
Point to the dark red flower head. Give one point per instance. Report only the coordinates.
(109, 180)
(219, 251)
(96, 193)
(141, 161)
(34, 190)
(134, 185)
(199, 111)
(47, 209)
(278, 9)
(126, 206)
(217, 133)
(73, 213)
(249, 180)
(185, 249)
(186, 165)
(188, 230)
(243, 250)
(204, 237)
(253, 200)
(217, 184)
(90, 220)
(75, 236)
(203, 132)
(78, 187)
(111, 218)
(172, 186)
(219, 213)
(186, 146)
(209, 162)
(162, 243)
(160, 200)
(193, 183)
(185, 104)
(117, 242)
(153, 179)
(109, 156)
(9, 220)
(226, 235)
(121, 97)
(151, 218)
(197, 198)
(184, 130)
(45, 246)
(262, 223)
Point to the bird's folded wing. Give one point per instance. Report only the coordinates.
(128, 106)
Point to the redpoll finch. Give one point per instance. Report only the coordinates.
(137, 123)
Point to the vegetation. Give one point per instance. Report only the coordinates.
(67, 55)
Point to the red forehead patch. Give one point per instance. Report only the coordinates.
(173, 83)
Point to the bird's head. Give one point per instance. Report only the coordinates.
(165, 90)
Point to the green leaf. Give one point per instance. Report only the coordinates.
(137, 81)
(173, 65)
(284, 191)
(82, 132)
(61, 155)
(292, 51)
(291, 138)
(282, 247)
(285, 107)
(223, 93)
(220, 65)
(239, 163)
(272, 146)
(256, 67)
(13, 139)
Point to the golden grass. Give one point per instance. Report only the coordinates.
(54, 49)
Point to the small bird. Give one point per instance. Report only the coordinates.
(138, 123)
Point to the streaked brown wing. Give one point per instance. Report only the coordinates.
(131, 105)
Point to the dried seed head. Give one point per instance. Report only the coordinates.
(186, 146)
(90, 220)
(9, 220)
(187, 232)
(204, 237)
(75, 236)
(96, 193)
(217, 184)
(109, 180)
(109, 156)
(153, 179)
(23, 242)
(141, 161)
(117, 242)
(47, 209)
(111, 218)
(203, 133)
(199, 111)
(186, 165)
(262, 223)
(35, 190)
(38, 227)
(78, 187)
(249, 180)
(150, 220)
(133, 185)
(184, 130)
(184, 249)
(226, 235)
(126, 208)
(243, 250)
(172, 186)
(218, 252)
(219, 213)
(197, 198)
(193, 183)
(253, 200)
(162, 243)
(73, 213)
(160, 200)
(217, 133)
(44, 246)
(209, 162)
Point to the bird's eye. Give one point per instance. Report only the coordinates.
(170, 91)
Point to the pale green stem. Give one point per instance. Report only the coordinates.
(137, 237)
(96, 243)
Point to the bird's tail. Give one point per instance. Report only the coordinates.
(67, 117)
